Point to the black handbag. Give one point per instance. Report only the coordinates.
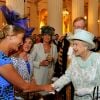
(96, 93)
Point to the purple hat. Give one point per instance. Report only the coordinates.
(13, 18)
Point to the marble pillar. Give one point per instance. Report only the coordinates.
(77, 9)
(55, 15)
(93, 16)
(17, 5)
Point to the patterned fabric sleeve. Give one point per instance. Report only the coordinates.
(5, 61)
(63, 80)
(6, 88)
(15, 62)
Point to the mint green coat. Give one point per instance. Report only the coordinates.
(83, 74)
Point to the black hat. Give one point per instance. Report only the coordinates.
(47, 30)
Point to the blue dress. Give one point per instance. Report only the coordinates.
(6, 88)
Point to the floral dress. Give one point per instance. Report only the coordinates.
(83, 74)
(6, 88)
(24, 68)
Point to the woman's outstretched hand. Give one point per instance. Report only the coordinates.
(37, 88)
(48, 88)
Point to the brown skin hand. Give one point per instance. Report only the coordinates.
(10, 74)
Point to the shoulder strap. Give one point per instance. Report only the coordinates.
(94, 93)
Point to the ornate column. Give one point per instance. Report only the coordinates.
(93, 16)
(17, 5)
(55, 15)
(77, 8)
(34, 17)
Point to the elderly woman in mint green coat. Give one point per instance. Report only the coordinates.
(84, 71)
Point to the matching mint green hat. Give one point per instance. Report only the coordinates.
(85, 36)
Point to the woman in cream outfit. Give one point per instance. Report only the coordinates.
(44, 56)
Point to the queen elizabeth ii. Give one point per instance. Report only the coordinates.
(84, 70)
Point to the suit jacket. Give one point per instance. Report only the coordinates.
(42, 74)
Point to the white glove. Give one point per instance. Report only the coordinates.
(83, 91)
(56, 88)
(54, 79)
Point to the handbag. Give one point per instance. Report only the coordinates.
(96, 95)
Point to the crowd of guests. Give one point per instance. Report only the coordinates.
(62, 59)
(47, 62)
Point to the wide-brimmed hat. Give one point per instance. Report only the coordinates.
(85, 36)
(47, 30)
